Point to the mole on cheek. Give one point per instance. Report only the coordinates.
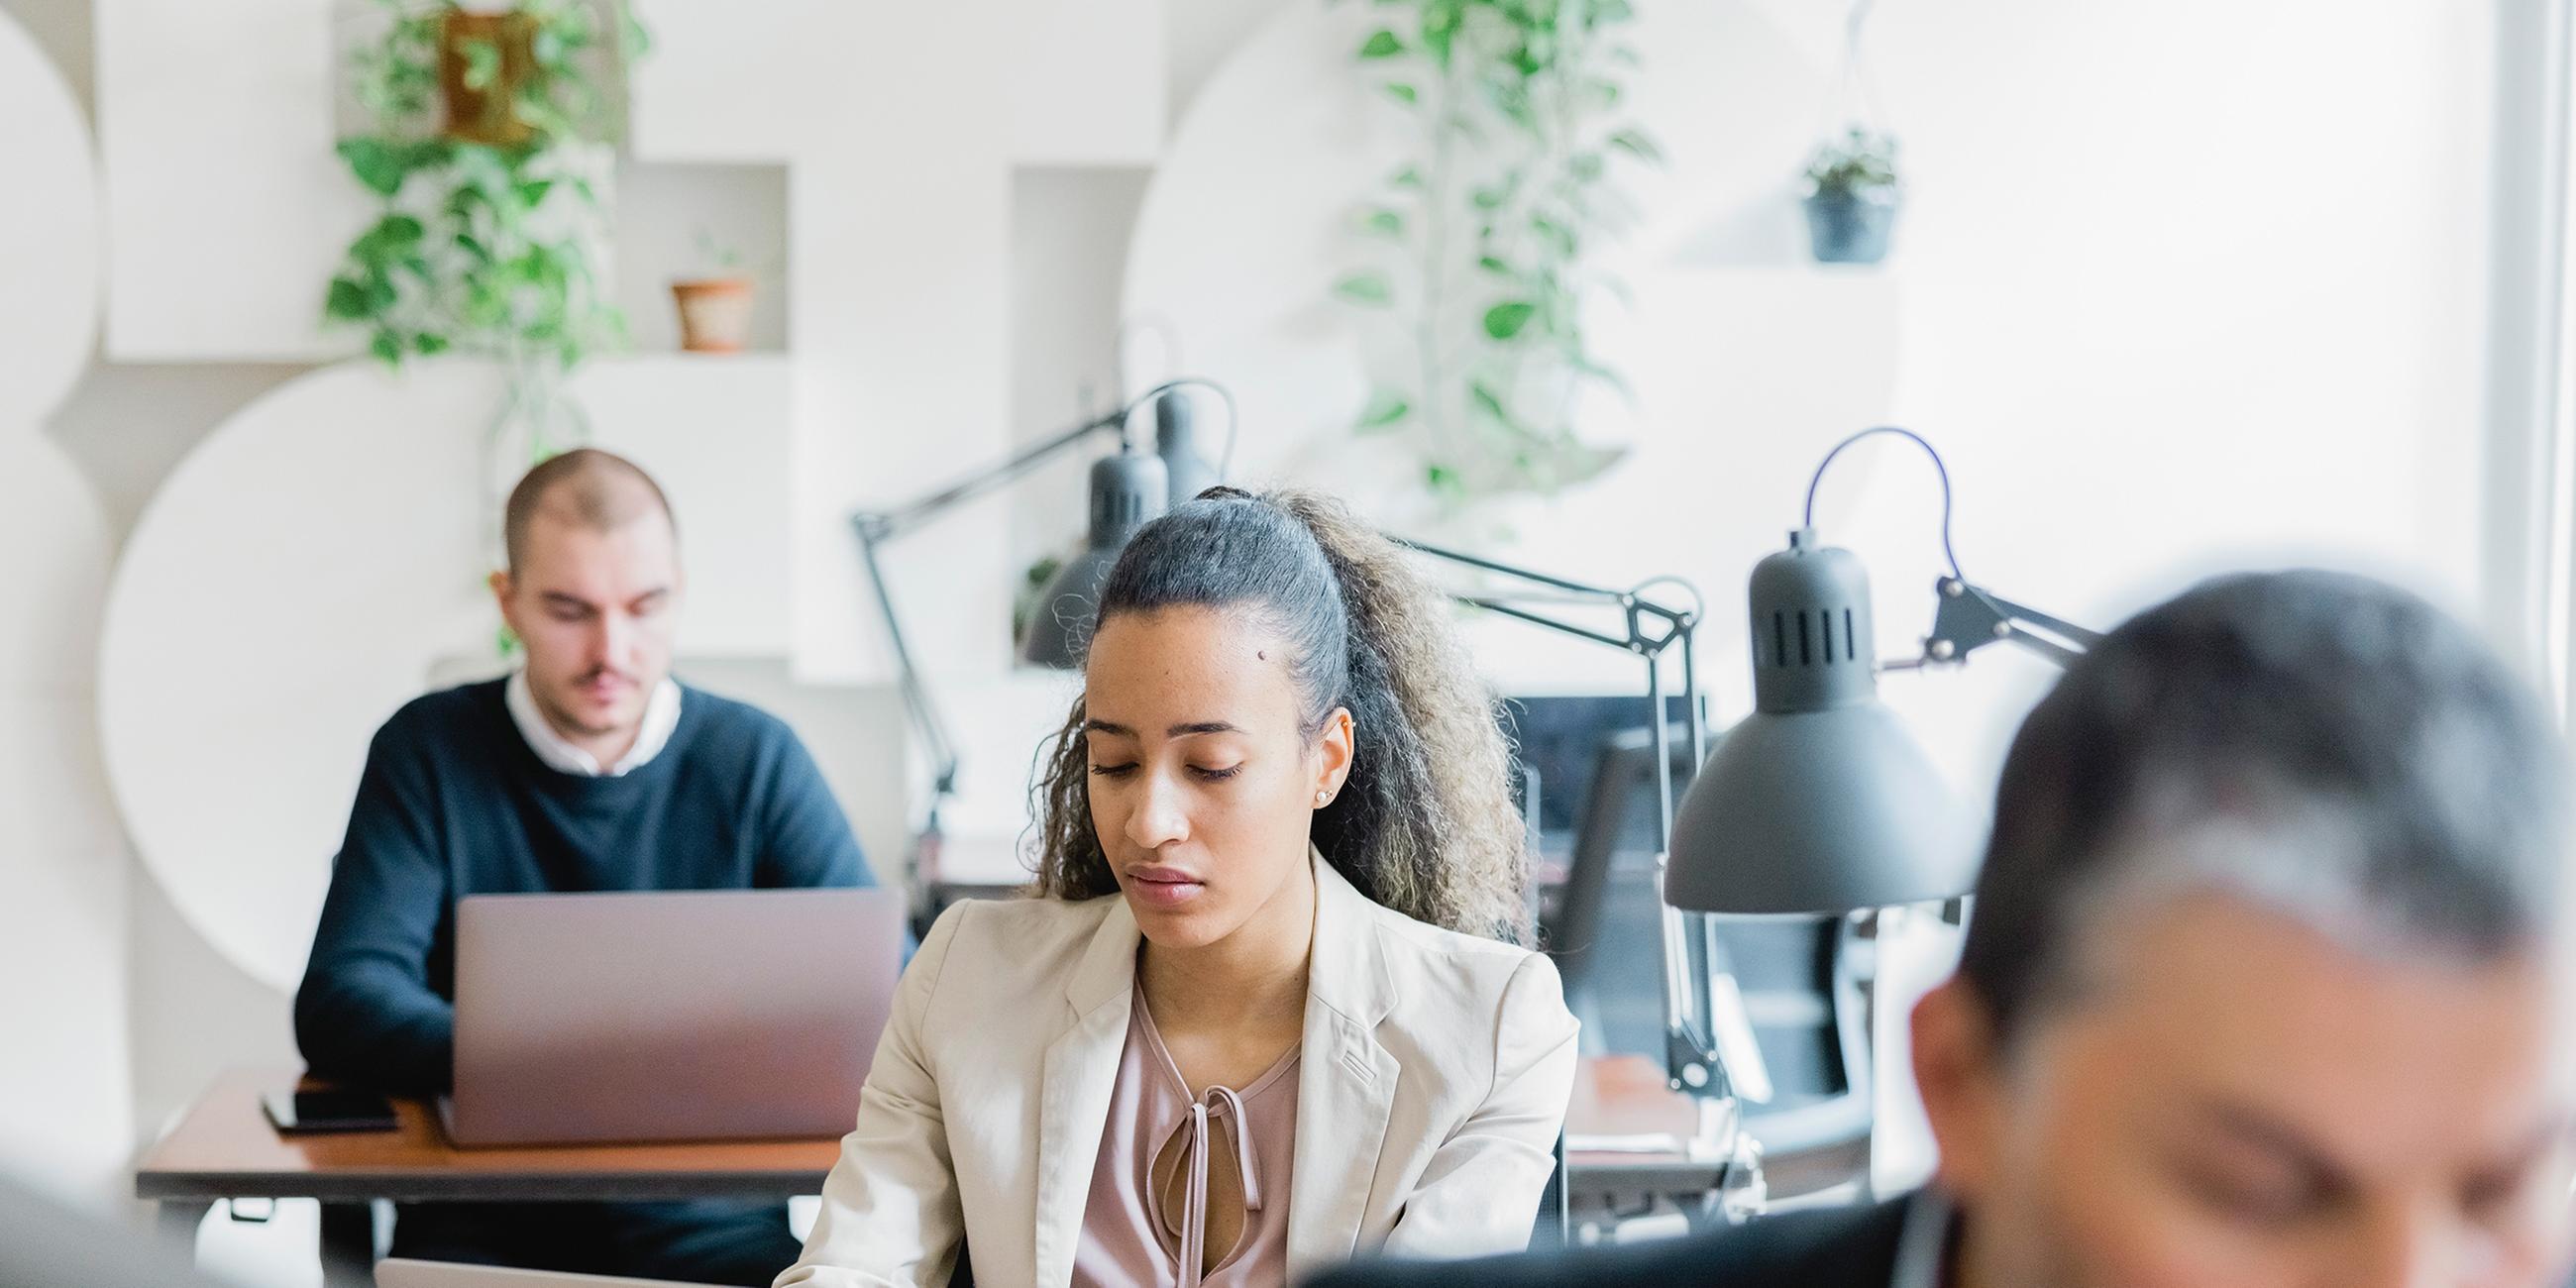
(1264, 656)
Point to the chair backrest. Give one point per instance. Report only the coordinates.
(1622, 779)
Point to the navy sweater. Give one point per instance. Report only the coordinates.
(453, 802)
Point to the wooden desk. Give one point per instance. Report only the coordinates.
(1626, 1095)
(224, 1148)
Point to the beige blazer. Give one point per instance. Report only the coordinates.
(1433, 1083)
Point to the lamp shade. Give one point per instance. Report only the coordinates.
(1820, 802)
(1176, 441)
(1128, 491)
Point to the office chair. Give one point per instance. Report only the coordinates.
(1622, 778)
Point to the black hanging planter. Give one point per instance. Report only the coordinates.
(1852, 196)
(1851, 225)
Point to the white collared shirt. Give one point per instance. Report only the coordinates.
(1921, 1241)
(661, 716)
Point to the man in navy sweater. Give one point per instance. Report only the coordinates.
(587, 769)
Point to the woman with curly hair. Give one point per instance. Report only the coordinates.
(1267, 1011)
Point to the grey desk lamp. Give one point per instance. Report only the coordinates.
(1709, 1046)
(1070, 601)
(1128, 488)
(1127, 491)
(1819, 802)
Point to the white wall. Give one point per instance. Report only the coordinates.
(64, 1070)
(2187, 288)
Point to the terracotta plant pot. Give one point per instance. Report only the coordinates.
(715, 313)
(488, 115)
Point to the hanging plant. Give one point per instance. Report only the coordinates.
(1491, 229)
(1852, 196)
(1853, 187)
(491, 152)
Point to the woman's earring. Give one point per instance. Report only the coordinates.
(1323, 797)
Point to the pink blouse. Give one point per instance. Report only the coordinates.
(1162, 1137)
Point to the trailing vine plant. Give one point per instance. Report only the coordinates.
(1490, 230)
(490, 151)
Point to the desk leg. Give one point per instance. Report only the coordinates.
(348, 1243)
(1705, 1210)
(177, 1222)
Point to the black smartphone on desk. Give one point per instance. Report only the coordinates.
(308, 1113)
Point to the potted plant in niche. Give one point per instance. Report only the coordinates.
(490, 148)
(1852, 197)
(715, 305)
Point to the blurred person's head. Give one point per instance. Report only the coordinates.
(592, 591)
(1269, 673)
(2263, 986)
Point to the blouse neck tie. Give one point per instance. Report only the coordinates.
(1215, 1102)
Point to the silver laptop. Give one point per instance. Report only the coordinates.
(397, 1272)
(697, 1015)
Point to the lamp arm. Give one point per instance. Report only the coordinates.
(875, 527)
(1507, 609)
(1709, 1050)
(1516, 573)
(1652, 626)
(1970, 617)
(916, 694)
(881, 525)
(912, 514)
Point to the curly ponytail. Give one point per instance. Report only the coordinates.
(1425, 823)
